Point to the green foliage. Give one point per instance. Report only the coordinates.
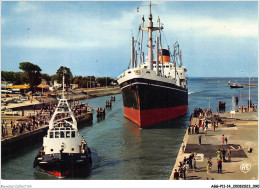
(67, 73)
(33, 74)
(104, 81)
(46, 77)
(84, 82)
(16, 78)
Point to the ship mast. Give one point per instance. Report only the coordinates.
(150, 30)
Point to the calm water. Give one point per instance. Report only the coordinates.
(122, 151)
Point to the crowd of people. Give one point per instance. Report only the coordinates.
(199, 113)
(185, 166)
(39, 118)
(199, 122)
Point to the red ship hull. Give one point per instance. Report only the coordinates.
(148, 102)
(144, 118)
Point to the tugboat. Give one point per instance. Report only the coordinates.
(235, 85)
(154, 90)
(64, 150)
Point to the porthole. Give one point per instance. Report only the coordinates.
(72, 149)
(51, 150)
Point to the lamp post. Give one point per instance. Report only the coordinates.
(249, 77)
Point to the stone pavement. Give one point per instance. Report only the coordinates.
(244, 134)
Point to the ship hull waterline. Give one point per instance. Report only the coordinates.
(147, 102)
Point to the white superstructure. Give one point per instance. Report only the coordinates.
(63, 135)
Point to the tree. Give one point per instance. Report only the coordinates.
(104, 81)
(67, 73)
(46, 77)
(84, 82)
(33, 73)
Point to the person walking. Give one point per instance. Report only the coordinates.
(223, 154)
(190, 161)
(183, 147)
(219, 162)
(205, 131)
(226, 140)
(180, 173)
(222, 139)
(187, 167)
(218, 153)
(214, 125)
(208, 166)
(176, 175)
(194, 164)
(229, 154)
(200, 136)
(189, 130)
(184, 171)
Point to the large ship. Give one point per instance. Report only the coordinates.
(64, 151)
(154, 90)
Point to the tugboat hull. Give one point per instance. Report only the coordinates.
(63, 164)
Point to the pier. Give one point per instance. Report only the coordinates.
(242, 139)
(20, 131)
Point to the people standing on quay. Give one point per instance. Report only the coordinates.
(223, 151)
(197, 129)
(194, 164)
(187, 166)
(183, 169)
(200, 136)
(207, 123)
(209, 165)
(229, 154)
(205, 131)
(226, 140)
(219, 162)
(219, 154)
(183, 147)
(190, 160)
(176, 175)
(223, 139)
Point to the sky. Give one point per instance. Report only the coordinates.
(217, 39)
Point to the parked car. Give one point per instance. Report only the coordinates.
(23, 98)
(9, 112)
(4, 91)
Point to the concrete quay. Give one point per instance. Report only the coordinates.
(243, 164)
(10, 143)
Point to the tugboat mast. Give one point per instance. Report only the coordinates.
(63, 96)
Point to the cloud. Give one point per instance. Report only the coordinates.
(60, 30)
(73, 31)
(50, 43)
(24, 6)
(214, 27)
